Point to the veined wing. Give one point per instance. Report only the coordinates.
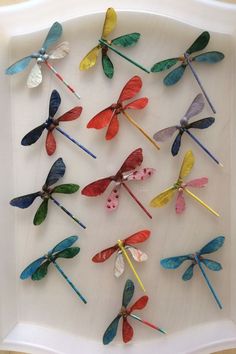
(113, 127)
(35, 77)
(70, 115)
(25, 200)
(164, 64)
(163, 198)
(28, 271)
(54, 103)
(131, 88)
(111, 330)
(107, 66)
(140, 103)
(33, 135)
(128, 293)
(67, 188)
(164, 134)
(56, 172)
(41, 213)
(50, 143)
(213, 245)
(127, 331)
(180, 203)
(198, 182)
(105, 254)
(119, 265)
(133, 161)
(101, 120)
(138, 255)
(202, 123)
(188, 273)
(96, 188)
(53, 35)
(212, 265)
(195, 108)
(138, 237)
(113, 199)
(209, 57)
(90, 59)
(109, 23)
(187, 164)
(19, 66)
(67, 242)
(176, 144)
(139, 304)
(41, 272)
(127, 40)
(174, 262)
(200, 43)
(175, 75)
(60, 51)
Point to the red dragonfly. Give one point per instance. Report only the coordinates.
(109, 116)
(126, 173)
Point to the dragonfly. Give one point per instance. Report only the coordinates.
(125, 41)
(56, 172)
(109, 116)
(38, 269)
(126, 312)
(198, 259)
(181, 187)
(127, 172)
(42, 56)
(121, 247)
(187, 59)
(51, 124)
(184, 127)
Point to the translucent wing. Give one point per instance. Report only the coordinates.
(119, 265)
(60, 51)
(139, 304)
(68, 253)
(113, 127)
(41, 213)
(33, 135)
(209, 57)
(198, 182)
(105, 254)
(54, 103)
(200, 43)
(107, 66)
(164, 65)
(132, 87)
(213, 245)
(138, 237)
(96, 188)
(111, 331)
(202, 123)
(25, 200)
(212, 265)
(164, 134)
(67, 242)
(188, 273)
(133, 161)
(180, 203)
(41, 272)
(174, 76)
(19, 66)
(35, 77)
(127, 331)
(101, 120)
(113, 199)
(187, 164)
(140, 103)
(138, 255)
(176, 144)
(196, 107)
(90, 59)
(128, 293)
(173, 262)
(53, 35)
(50, 143)
(28, 271)
(128, 40)
(163, 198)
(142, 174)
(67, 188)
(56, 172)
(109, 23)
(72, 114)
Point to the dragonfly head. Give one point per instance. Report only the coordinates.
(183, 122)
(42, 56)
(51, 124)
(123, 312)
(45, 193)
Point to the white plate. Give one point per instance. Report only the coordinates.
(46, 317)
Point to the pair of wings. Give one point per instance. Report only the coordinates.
(36, 133)
(186, 167)
(109, 116)
(199, 44)
(210, 247)
(38, 269)
(127, 40)
(127, 330)
(195, 108)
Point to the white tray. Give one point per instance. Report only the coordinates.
(46, 317)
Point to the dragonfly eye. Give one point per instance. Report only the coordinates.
(184, 122)
(42, 51)
(51, 124)
(123, 312)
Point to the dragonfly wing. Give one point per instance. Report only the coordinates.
(187, 164)
(119, 265)
(53, 35)
(140, 103)
(133, 161)
(113, 199)
(25, 200)
(140, 303)
(50, 143)
(41, 272)
(33, 135)
(213, 245)
(212, 265)
(200, 43)
(188, 273)
(60, 51)
(209, 57)
(173, 262)
(101, 120)
(137, 254)
(138, 237)
(111, 330)
(56, 172)
(72, 114)
(164, 65)
(142, 174)
(198, 182)
(196, 107)
(163, 198)
(41, 213)
(176, 144)
(127, 331)
(104, 255)
(132, 87)
(67, 188)
(68, 253)
(180, 203)
(202, 123)
(90, 59)
(28, 271)
(174, 76)
(96, 188)
(113, 128)
(107, 66)
(19, 66)
(128, 293)
(67, 242)
(35, 77)
(128, 40)
(54, 103)
(109, 23)
(164, 134)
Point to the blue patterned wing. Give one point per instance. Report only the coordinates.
(174, 76)
(111, 330)
(128, 293)
(200, 43)
(176, 144)
(209, 57)
(56, 172)
(33, 135)
(31, 269)
(25, 200)
(67, 242)
(55, 101)
(19, 66)
(174, 262)
(53, 35)
(212, 265)
(213, 245)
(188, 273)
(202, 123)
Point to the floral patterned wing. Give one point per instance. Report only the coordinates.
(138, 255)
(180, 203)
(35, 76)
(113, 199)
(142, 174)
(119, 265)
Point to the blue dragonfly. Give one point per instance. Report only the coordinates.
(56, 172)
(42, 56)
(38, 269)
(186, 60)
(125, 312)
(198, 259)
